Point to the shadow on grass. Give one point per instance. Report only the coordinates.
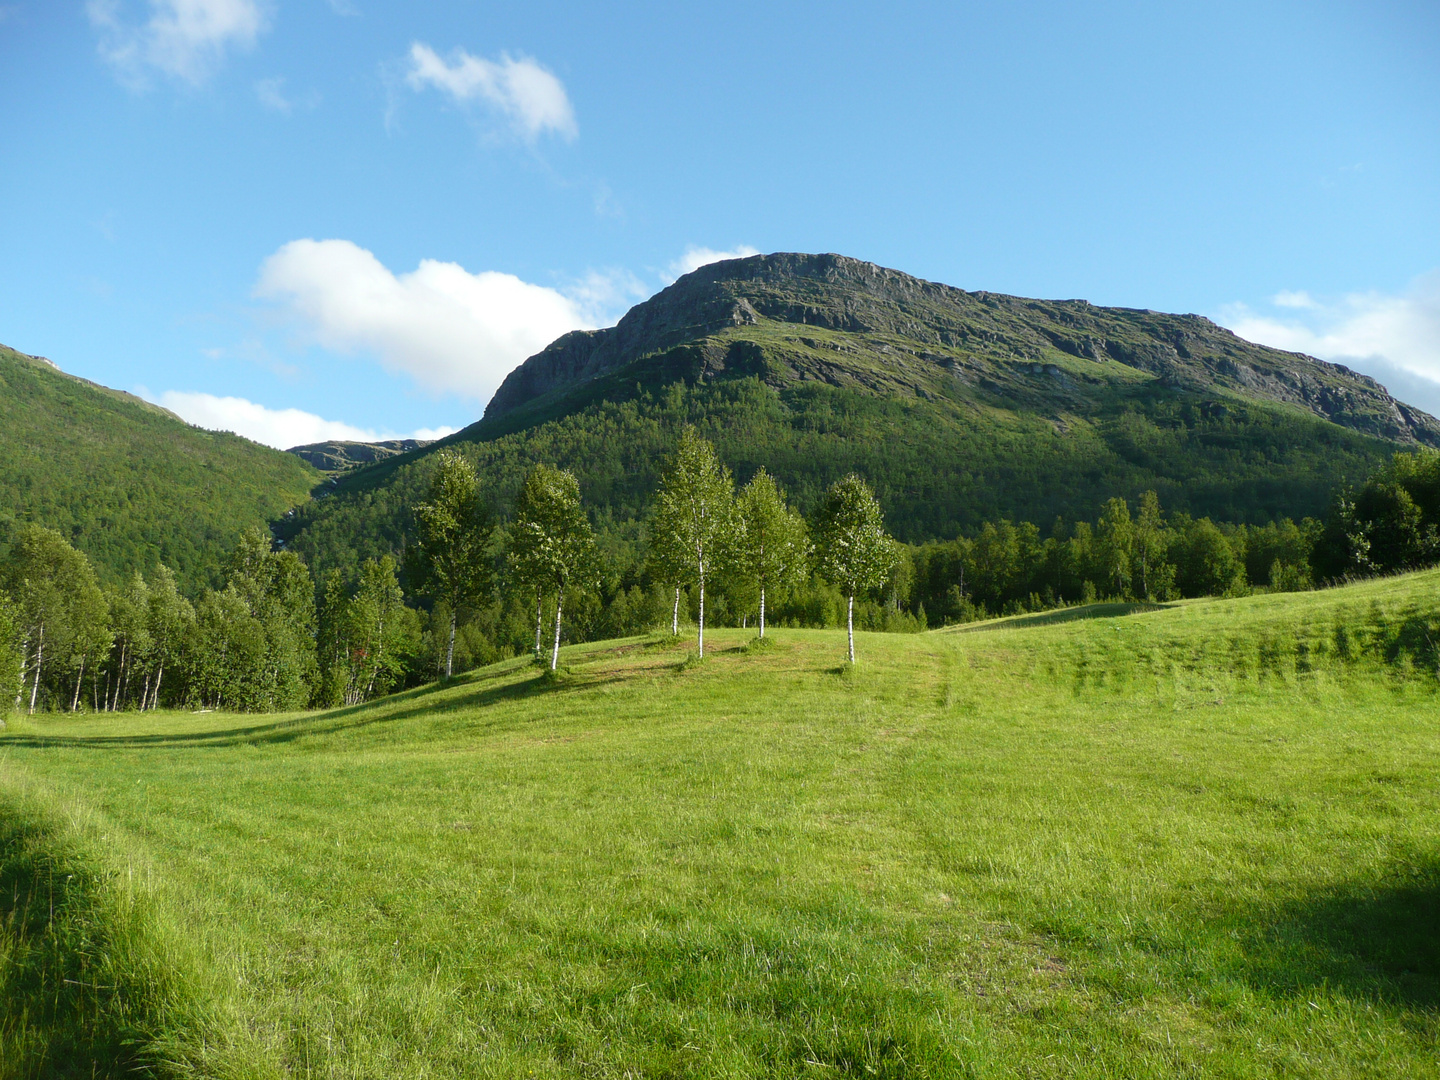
(60, 1011)
(1377, 940)
(382, 711)
(1109, 610)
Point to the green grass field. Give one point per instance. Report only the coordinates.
(1195, 841)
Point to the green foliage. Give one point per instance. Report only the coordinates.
(453, 530)
(366, 640)
(62, 614)
(127, 483)
(941, 467)
(11, 658)
(254, 642)
(1391, 523)
(551, 544)
(771, 548)
(852, 549)
(694, 520)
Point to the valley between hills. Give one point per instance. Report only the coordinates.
(1126, 769)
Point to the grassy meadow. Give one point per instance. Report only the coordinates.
(1193, 840)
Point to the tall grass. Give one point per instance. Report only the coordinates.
(1201, 840)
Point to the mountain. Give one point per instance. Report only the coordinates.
(130, 483)
(337, 457)
(960, 407)
(794, 318)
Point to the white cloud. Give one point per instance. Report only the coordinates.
(531, 98)
(696, 257)
(280, 428)
(182, 38)
(271, 93)
(1288, 299)
(1374, 333)
(448, 329)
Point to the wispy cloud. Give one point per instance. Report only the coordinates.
(448, 329)
(696, 257)
(528, 96)
(1395, 338)
(280, 428)
(271, 93)
(185, 39)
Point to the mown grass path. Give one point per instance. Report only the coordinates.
(1194, 841)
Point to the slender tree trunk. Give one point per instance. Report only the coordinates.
(539, 608)
(39, 663)
(119, 678)
(762, 610)
(155, 693)
(702, 618)
(675, 615)
(145, 692)
(126, 666)
(450, 650)
(850, 625)
(559, 607)
(75, 701)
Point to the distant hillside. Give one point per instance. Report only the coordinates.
(336, 457)
(960, 407)
(130, 483)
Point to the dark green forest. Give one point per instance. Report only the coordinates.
(129, 484)
(939, 467)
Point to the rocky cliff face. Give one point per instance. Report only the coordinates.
(794, 317)
(343, 456)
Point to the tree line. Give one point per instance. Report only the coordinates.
(272, 638)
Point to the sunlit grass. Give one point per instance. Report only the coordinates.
(1199, 840)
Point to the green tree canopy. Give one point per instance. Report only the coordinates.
(853, 551)
(694, 515)
(771, 546)
(453, 528)
(551, 542)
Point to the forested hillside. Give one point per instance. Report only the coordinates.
(128, 483)
(959, 408)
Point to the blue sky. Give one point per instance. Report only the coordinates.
(304, 219)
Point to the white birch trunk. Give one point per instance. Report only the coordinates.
(762, 610)
(559, 607)
(702, 618)
(850, 625)
(39, 664)
(675, 615)
(539, 608)
(75, 701)
(450, 650)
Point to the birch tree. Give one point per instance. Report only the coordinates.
(364, 637)
(171, 620)
(771, 546)
(551, 542)
(852, 549)
(453, 532)
(59, 603)
(694, 515)
(1149, 544)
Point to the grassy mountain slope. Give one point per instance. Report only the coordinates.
(1193, 841)
(128, 482)
(959, 407)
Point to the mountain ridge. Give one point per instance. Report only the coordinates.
(975, 338)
